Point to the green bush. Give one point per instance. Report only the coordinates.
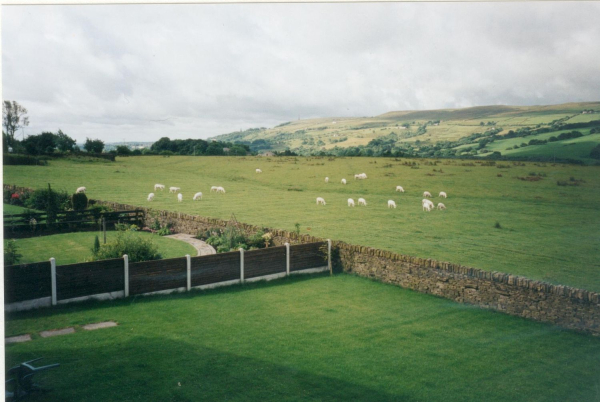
(232, 239)
(11, 253)
(43, 199)
(14, 159)
(79, 201)
(130, 243)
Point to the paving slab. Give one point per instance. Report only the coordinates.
(56, 332)
(16, 339)
(98, 325)
(199, 245)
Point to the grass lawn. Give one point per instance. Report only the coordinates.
(548, 233)
(9, 209)
(340, 338)
(71, 248)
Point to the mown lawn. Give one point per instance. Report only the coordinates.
(9, 209)
(71, 248)
(548, 232)
(340, 338)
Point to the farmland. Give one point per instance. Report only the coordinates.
(508, 217)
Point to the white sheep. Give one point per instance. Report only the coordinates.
(80, 190)
(427, 194)
(150, 197)
(443, 194)
(399, 188)
(427, 205)
(321, 201)
(441, 206)
(197, 196)
(361, 201)
(360, 176)
(174, 189)
(350, 202)
(343, 181)
(258, 171)
(391, 204)
(159, 187)
(213, 188)
(220, 190)
(327, 180)
(180, 197)
(363, 175)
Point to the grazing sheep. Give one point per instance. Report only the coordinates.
(159, 187)
(220, 190)
(427, 194)
(197, 196)
(150, 197)
(399, 188)
(321, 201)
(343, 181)
(427, 205)
(350, 202)
(361, 201)
(213, 188)
(441, 206)
(80, 190)
(258, 171)
(180, 197)
(174, 189)
(327, 180)
(391, 204)
(360, 176)
(442, 194)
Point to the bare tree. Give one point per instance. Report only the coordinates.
(14, 116)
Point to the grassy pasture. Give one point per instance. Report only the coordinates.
(9, 209)
(340, 338)
(71, 248)
(547, 232)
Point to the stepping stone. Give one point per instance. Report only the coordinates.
(16, 339)
(56, 332)
(99, 325)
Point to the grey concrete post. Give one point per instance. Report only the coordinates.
(242, 265)
(188, 259)
(287, 259)
(126, 269)
(53, 279)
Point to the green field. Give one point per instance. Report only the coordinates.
(71, 248)
(340, 338)
(548, 232)
(13, 209)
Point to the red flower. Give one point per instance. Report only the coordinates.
(15, 195)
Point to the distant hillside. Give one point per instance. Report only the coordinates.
(445, 132)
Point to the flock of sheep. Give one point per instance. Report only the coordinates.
(426, 204)
(196, 197)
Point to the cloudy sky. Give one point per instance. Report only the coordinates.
(141, 72)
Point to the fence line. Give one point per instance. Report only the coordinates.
(46, 284)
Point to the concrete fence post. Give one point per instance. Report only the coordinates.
(242, 265)
(188, 260)
(126, 272)
(287, 259)
(329, 256)
(53, 279)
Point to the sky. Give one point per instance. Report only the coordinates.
(142, 72)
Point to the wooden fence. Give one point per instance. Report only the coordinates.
(44, 284)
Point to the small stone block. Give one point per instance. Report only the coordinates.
(16, 339)
(56, 332)
(99, 325)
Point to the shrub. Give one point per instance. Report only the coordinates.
(130, 243)
(43, 199)
(79, 201)
(11, 253)
(96, 247)
(13, 159)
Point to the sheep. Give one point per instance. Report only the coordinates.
(197, 196)
(427, 194)
(160, 187)
(391, 204)
(399, 188)
(321, 201)
(150, 197)
(441, 206)
(220, 190)
(180, 197)
(361, 201)
(327, 180)
(360, 176)
(427, 205)
(350, 202)
(258, 171)
(80, 190)
(213, 188)
(174, 189)
(443, 194)
(343, 181)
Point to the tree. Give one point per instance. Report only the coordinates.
(64, 143)
(93, 146)
(40, 144)
(13, 118)
(123, 150)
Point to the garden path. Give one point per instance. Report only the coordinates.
(202, 247)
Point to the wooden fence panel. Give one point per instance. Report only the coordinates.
(215, 268)
(264, 261)
(152, 276)
(89, 278)
(311, 255)
(27, 282)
